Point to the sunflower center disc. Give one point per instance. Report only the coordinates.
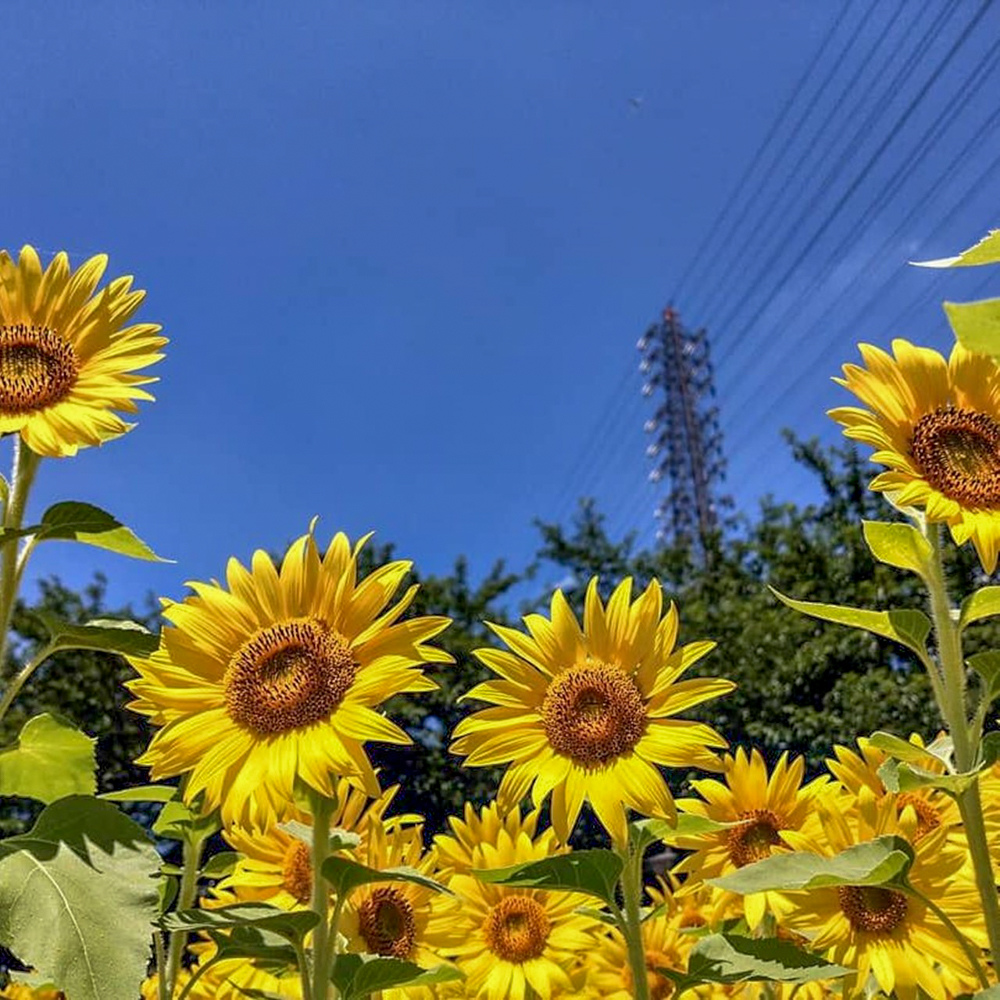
(386, 922)
(872, 908)
(288, 675)
(660, 987)
(593, 713)
(517, 929)
(928, 817)
(37, 368)
(958, 452)
(297, 872)
(754, 839)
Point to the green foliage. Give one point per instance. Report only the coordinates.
(345, 875)
(50, 760)
(976, 325)
(357, 976)
(77, 898)
(594, 872)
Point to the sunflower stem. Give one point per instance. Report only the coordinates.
(631, 886)
(26, 464)
(185, 897)
(22, 675)
(322, 810)
(161, 966)
(966, 742)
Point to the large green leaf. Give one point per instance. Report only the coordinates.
(357, 976)
(78, 898)
(51, 759)
(595, 872)
(982, 603)
(293, 925)
(899, 545)
(986, 251)
(883, 861)
(346, 875)
(731, 958)
(106, 634)
(976, 324)
(909, 628)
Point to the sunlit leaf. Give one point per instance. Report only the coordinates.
(899, 748)
(346, 875)
(986, 251)
(142, 793)
(594, 871)
(51, 759)
(899, 545)
(909, 628)
(357, 976)
(987, 665)
(976, 325)
(882, 861)
(982, 603)
(689, 825)
(290, 925)
(903, 777)
(106, 634)
(78, 898)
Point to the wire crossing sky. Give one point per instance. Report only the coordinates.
(404, 251)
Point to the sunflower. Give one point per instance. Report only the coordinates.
(398, 919)
(764, 807)
(462, 849)
(22, 991)
(882, 932)
(67, 361)
(276, 867)
(506, 939)
(587, 713)
(238, 978)
(935, 424)
(276, 679)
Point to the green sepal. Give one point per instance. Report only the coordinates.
(105, 634)
(50, 760)
(986, 251)
(594, 871)
(976, 325)
(78, 897)
(346, 875)
(357, 976)
(982, 603)
(731, 958)
(907, 627)
(899, 545)
(291, 925)
(71, 520)
(882, 861)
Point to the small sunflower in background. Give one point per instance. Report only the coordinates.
(588, 713)
(935, 425)
(277, 679)
(462, 849)
(68, 361)
(762, 807)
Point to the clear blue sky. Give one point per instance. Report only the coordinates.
(403, 250)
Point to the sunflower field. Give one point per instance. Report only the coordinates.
(299, 875)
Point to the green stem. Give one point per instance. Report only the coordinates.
(631, 885)
(322, 810)
(22, 675)
(955, 933)
(185, 897)
(953, 708)
(300, 955)
(26, 464)
(161, 966)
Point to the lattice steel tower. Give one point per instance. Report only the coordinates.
(686, 441)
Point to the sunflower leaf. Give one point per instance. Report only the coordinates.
(219, 865)
(340, 839)
(989, 749)
(899, 776)
(908, 628)
(899, 545)
(178, 821)
(357, 976)
(51, 759)
(987, 665)
(141, 793)
(900, 749)
(83, 870)
(346, 875)
(731, 958)
(293, 926)
(990, 993)
(983, 603)
(688, 825)
(986, 251)
(976, 324)
(105, 634)
(268, 950)
(883, 861)
(594, 871)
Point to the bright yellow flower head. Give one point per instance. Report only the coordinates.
(587, 714)
(67, 360)
(21, 991)
(277, 679)
(880, 932)
(936, 425)
(462, 849)
(504, 939)
(764, 806)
